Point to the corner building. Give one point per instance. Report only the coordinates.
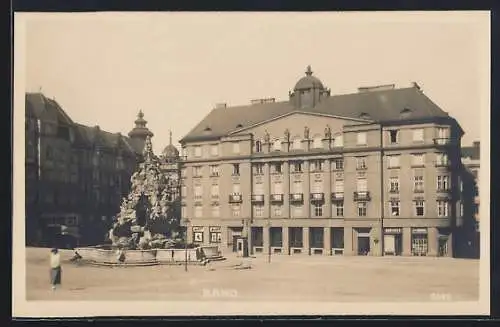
(369, 173)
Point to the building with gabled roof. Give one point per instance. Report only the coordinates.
(373, 172)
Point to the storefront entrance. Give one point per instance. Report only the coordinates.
(443, 246)
(393, 241)
(363, 245)
(419, 242)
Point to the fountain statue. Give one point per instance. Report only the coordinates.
(146, 219)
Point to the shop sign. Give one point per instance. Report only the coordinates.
(419, 230)
(215, 229)
(197, 229)
(392, 230)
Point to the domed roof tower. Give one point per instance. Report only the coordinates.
(170, 153)
(139, 133)
(308, 91)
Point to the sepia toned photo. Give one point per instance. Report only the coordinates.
(251, 164)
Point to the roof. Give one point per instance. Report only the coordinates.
(472, 152)
(44, 108)
(389, 105)
(87, 135)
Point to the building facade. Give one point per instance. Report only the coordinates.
(370, 173)
(470, 201)
(76, 175)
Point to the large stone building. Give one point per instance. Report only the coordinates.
(470, 199)
(375, 172)
(76, 175)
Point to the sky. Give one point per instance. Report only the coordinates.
(175, 67)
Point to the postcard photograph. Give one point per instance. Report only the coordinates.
(324, 163)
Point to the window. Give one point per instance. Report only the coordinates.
(278, 188)
(235, 209)
(361, 138)
(394, 184)
(236, 148)
(361, 185)
(214, 170)
(443, 183)
(198, 192)
(183, 212)
(418, 183)
(442, 135)
(297, 144)
(419, 207)
(317, 165)
(214, 150)
(215, 211)
(276, 168)
(197, 151)
(259, 188)
(417, 159)
(318, 210)
(236, 170)
(277, 211)
(318, 142)
(393, 161)
(214, 191)
(441, 159)
(361, 163)
(338, 208)
(362, 209)
(183, 172)
(394, 207)
(198, 234)
(258, 146)
(198, 211)
(259, 210)
(183, 191)
(339, 187)
(258, 169)
(338, 141)
(297, 167)
(197, 171)
(393, 136)
(215, 236)
(418, 135)
(277, 145)
(442, 208)
(338, 164)
(297, 187)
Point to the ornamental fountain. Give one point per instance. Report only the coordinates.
(147, 229)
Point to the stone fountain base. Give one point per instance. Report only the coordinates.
(111, 256)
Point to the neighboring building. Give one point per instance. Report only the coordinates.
(374, 172)
(170, 164)
(76, 175)
(470, 199)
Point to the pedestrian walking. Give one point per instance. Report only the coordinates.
(55, 268)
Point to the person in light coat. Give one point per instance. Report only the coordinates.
(55, 268)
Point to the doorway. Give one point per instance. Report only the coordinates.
(443, 246)
(363, 245)
(235, 243)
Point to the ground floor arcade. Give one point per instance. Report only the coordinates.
(314, 240)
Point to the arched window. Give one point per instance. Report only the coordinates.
(317, 142)
(277, 145)
(297, 143)
(258, 146)
(338, 141)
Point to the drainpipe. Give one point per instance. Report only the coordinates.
(382, 189)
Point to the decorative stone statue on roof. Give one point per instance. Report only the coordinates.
(267, 137)
(328, 132)
(146, 217)
(287, 135)
(306, 133)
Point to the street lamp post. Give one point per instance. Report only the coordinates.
(269, 249)
(185, 246)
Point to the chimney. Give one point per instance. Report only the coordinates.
(261, 101)
(220, 105)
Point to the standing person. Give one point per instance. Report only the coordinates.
(55, 268)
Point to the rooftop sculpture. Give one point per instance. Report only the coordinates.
(147, 217)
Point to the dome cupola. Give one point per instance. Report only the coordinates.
(170, 152)
(308, 91)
